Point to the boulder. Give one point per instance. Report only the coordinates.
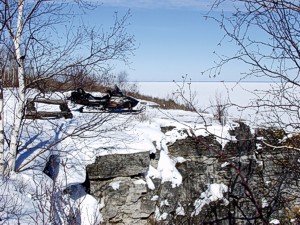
(118, 165)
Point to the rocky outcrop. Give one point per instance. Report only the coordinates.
(118, 165)
(126, 200)
(257, 184)
(117, 180)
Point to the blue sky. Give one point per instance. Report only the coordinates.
(173, 38)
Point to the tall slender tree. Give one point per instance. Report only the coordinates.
(47, 38)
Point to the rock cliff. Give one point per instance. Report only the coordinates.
(254, 183)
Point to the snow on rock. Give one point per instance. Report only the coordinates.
(88, 206)
(180, 159)
(264, 203)
(70, 172)
(213, 193)
(160, 216)
(275, 221)
(139, 182)
(221, 133)
(115, 185)
(154, 198)
(180, 210)
(30, 195)
(164, 203)
(168, 171)
(174, 135)
(151, 173)
(225, 164)
(89, 210)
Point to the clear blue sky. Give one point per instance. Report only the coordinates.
(172, 36)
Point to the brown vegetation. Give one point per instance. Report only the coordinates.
(163, 103)
(92, 83)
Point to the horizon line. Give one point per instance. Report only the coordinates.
(205, 81)
(167, 5)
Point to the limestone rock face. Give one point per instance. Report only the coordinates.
(119, 181)
(125, 200)
(118, 165)
(191, 149)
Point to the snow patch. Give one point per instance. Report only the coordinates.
(180, 159)
(180, 210)
(213, 193)
(159, 216)
(225, 164)
(89, 207)
(115, 185)
(168, 171)
(174, 135)
(140, 181)
(151, 173)
(164, 202)
(275, 221)
(264, 203)
(154, 198)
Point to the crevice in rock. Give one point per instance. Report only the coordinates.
(166, 129)
(152, 156)
(52, 165)
(87, 184)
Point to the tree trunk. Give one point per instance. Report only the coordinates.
(1, 129)
(14, 141)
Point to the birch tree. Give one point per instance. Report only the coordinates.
(33, 27)
(3, 21)
(1, 129)
(16, 35)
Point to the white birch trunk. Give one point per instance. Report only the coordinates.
(21, 92)
(1, 129)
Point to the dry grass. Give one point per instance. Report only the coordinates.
(163, 103)
(52, 85)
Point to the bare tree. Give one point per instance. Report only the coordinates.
(1, 120)
(1, 130)
(274, 56)
(260, 169)
(4, 18)
(34, 28)
(219, 108)
(266, 34)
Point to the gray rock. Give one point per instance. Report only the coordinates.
(118, 165)
(132, 202)
(127, 203)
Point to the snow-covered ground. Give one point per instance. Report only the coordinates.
(28, 197)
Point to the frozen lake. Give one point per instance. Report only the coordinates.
(204, 94)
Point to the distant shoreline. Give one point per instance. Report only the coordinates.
(180, 81)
